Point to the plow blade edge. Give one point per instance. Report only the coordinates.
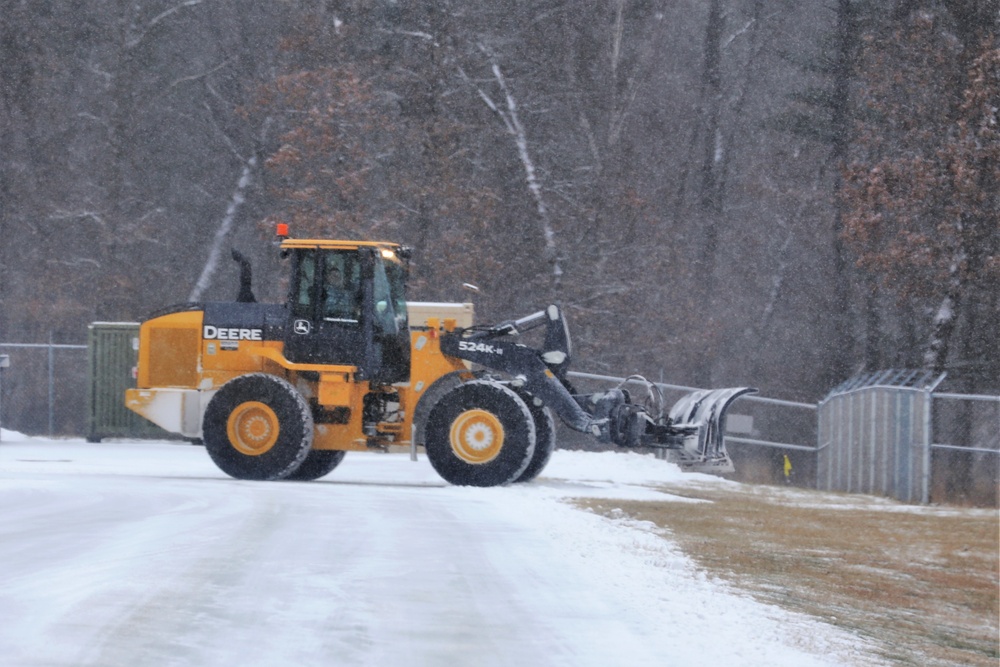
(703, 415)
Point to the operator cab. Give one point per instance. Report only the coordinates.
(347, 306)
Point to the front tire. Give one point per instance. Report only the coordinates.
(258, 427)
(480, 434)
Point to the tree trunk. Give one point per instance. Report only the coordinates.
(713, 148)
(226, 224)
(936, 354)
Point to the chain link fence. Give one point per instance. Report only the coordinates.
(887, 433)
(43, 391)
(965, 449)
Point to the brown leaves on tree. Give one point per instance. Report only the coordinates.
(921, 190)
(319, 175)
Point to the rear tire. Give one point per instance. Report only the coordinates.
(545, 439)
(319, 463)
(480, 434)
(258, 427)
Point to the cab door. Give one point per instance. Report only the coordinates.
(326, 323)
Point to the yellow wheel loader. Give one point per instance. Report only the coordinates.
(282, 391)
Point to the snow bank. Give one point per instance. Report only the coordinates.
(11, 436)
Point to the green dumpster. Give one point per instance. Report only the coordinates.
(112, 354)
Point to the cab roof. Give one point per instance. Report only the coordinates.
(336, 245)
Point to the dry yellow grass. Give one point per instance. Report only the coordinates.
(921, 583)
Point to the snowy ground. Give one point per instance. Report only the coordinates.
(145, 554)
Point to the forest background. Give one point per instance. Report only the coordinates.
(779, 193)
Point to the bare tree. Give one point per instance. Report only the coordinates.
(508, 114)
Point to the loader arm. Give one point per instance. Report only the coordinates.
(693, 428)
(495, 348)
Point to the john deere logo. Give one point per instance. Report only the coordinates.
(302, 326)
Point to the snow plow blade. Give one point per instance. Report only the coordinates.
(700, 418)
(692, 431)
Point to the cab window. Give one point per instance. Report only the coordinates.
(327, 286)
(396, 277)
(341, 290)
(304, 287)
(385, 313)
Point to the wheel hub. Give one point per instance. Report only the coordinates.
(477, 436)
(253, 428)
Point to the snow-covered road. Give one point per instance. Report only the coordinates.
(145, 554)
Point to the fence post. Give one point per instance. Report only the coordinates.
(925, 482)
(52, 386)
(4, 363)
(925, 495)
